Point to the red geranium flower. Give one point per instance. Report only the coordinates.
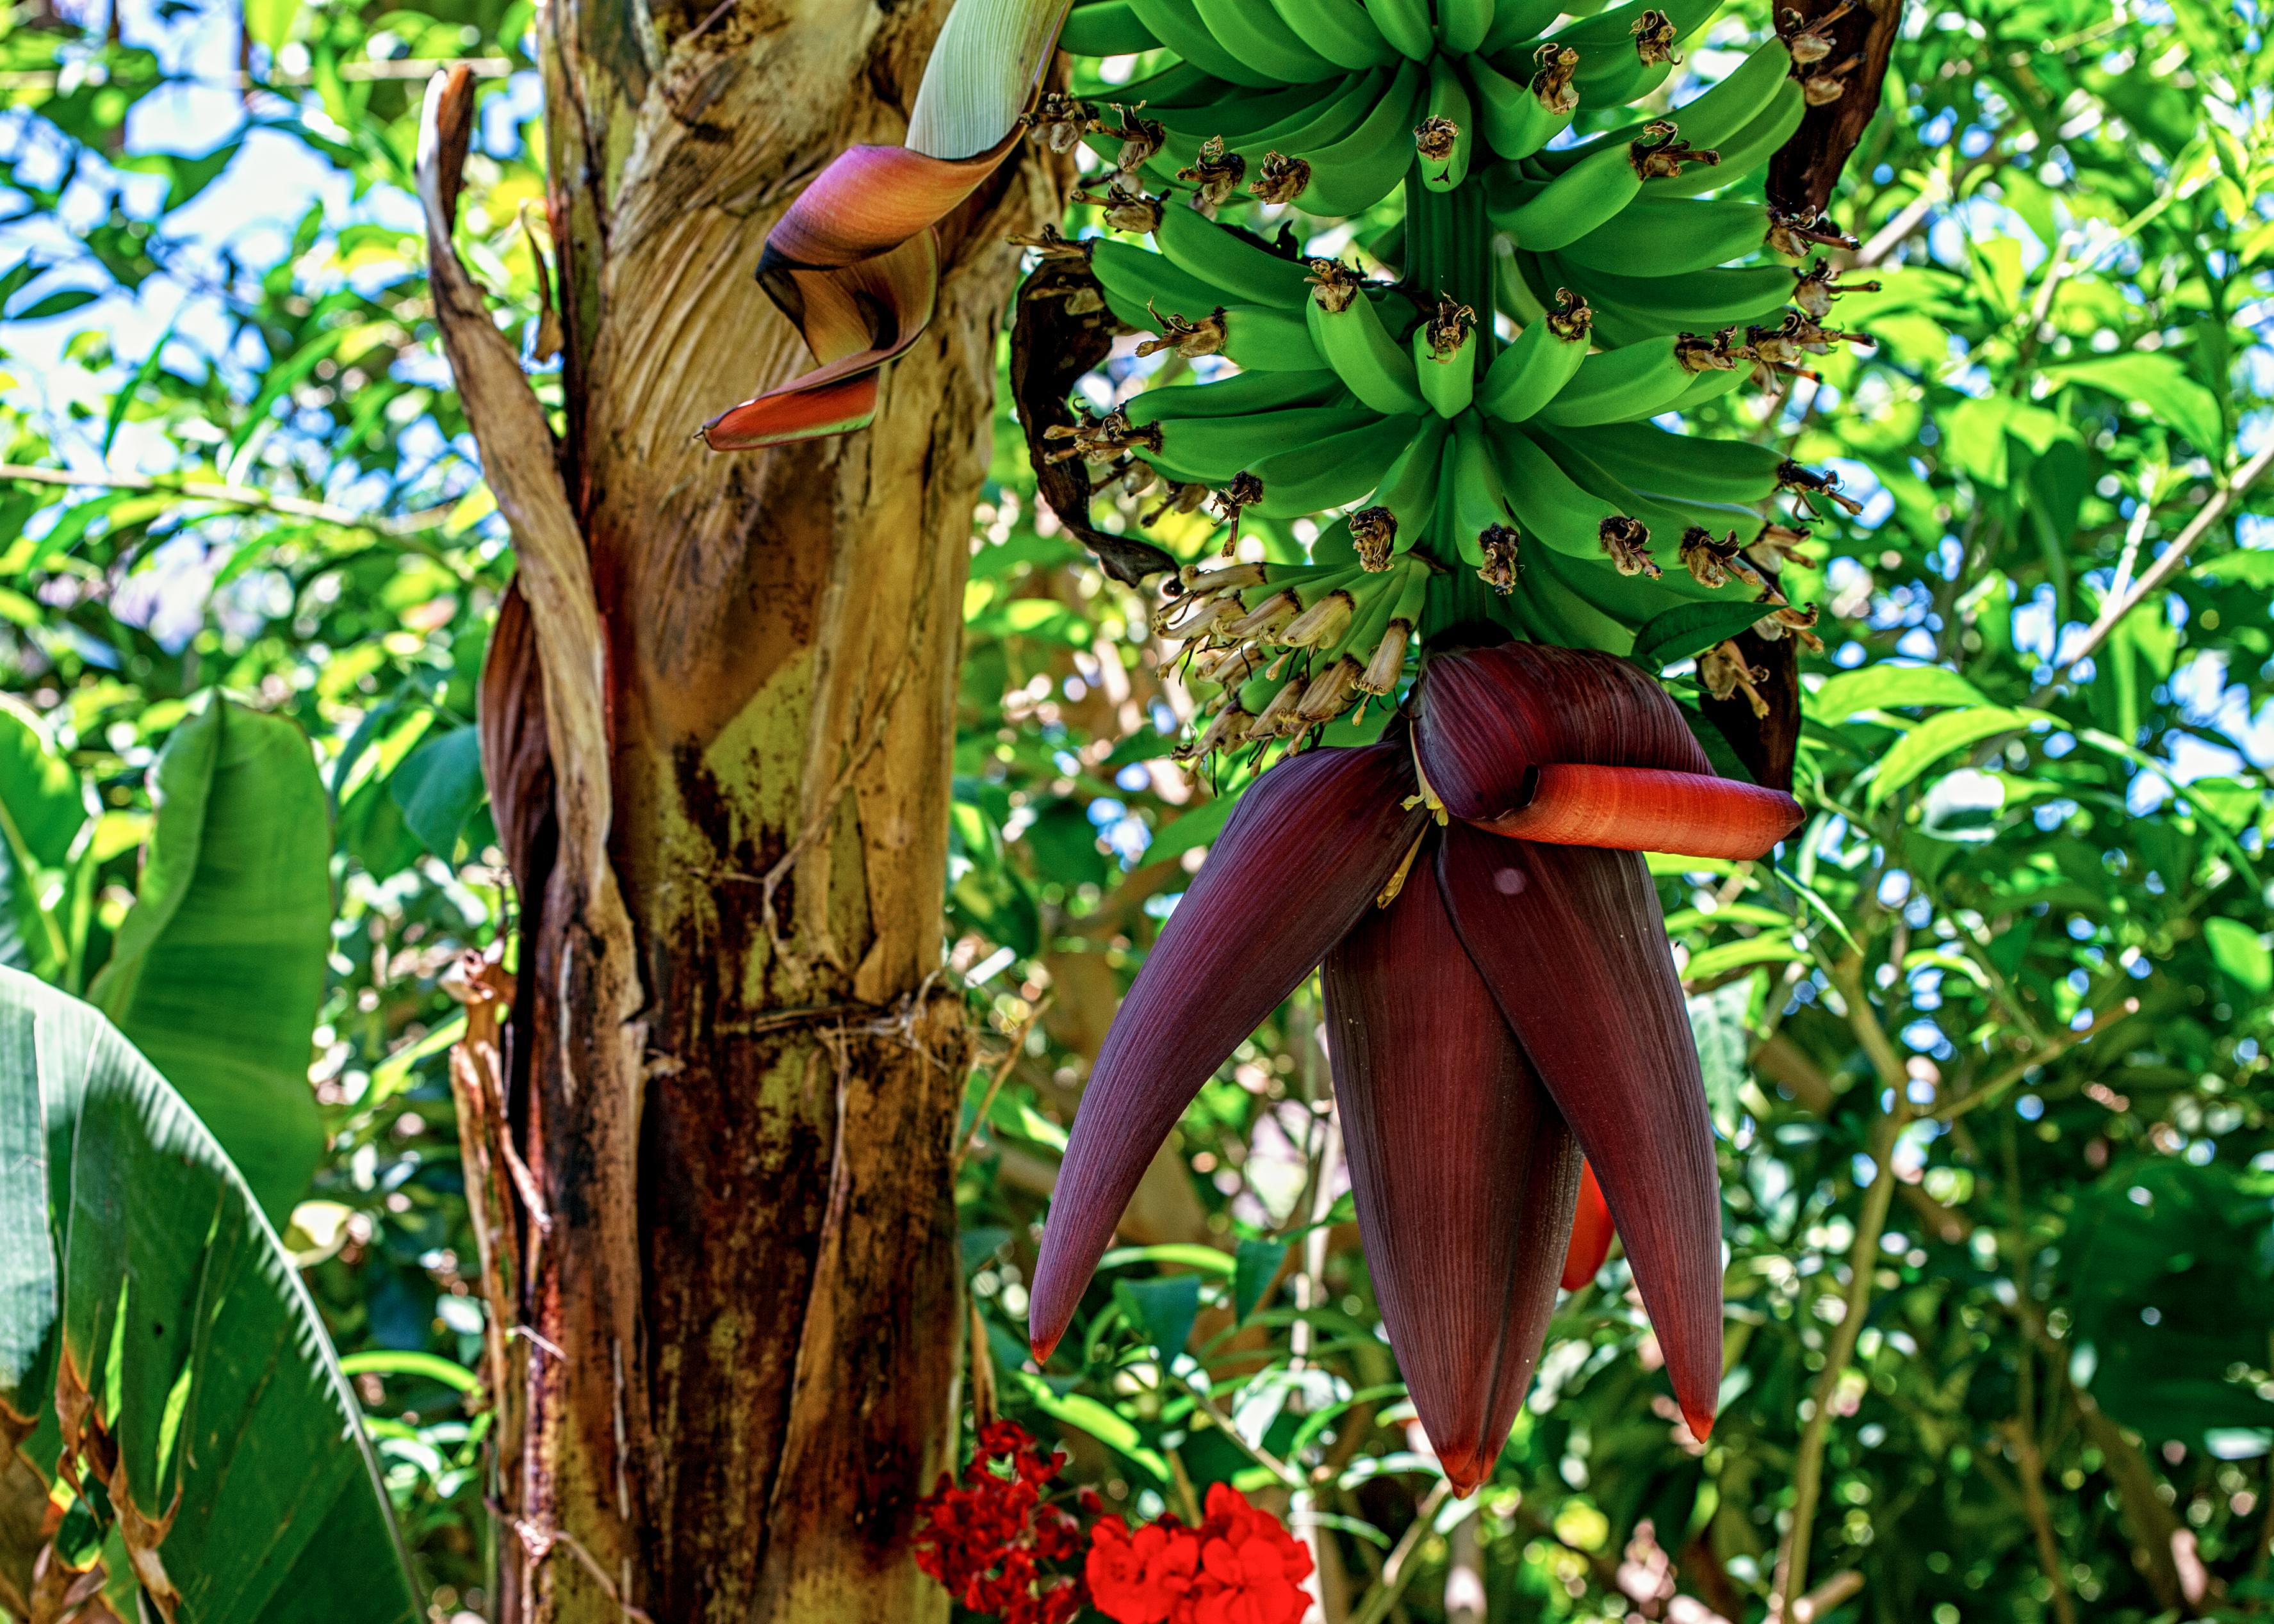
(988, 1540)
(1239, 1566)
(1141, 1577)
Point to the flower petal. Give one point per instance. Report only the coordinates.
(1463, 1169)
(1489, 714)
(1571, 940)
(854, 320)
(1310, 846)
(1590, 1232)
(853, 262)
(1647, 810)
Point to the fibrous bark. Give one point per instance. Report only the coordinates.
(718, 722)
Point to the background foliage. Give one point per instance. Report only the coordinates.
(1985, 1046)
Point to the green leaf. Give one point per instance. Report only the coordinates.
(1885, 687)
(219, 966)
(439, 786)
(1683, 630)
(1717, 1025)
(1183, 1254)
(1253, 1269)
(139, 1272)
(1728, 956)
(408, 1362)
(1106, 1425)
(43, 804)
(269, 22)
(1165, 1308)
(1197, 826)
(2160, 384)
(55, 305)
(1936, 737)
(2240, 951)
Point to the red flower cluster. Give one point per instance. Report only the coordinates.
(992, 1541)
(1239, 1566)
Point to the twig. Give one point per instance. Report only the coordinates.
(1384, 1596)
(1808, 1467)
(1003, 1069)
(1270, 1462)
(236, 495)
(2167, 563)
(2052, 1050)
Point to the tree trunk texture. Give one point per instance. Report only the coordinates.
(722, 781)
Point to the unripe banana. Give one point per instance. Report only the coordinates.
(1689, 465)
(1105, 29)
(1636, 380)
(1712, 387)
(1514, 120)
(1720, 113)
(1442, 138)
(1348, 331)
(1216, 449)
(1352, 174)
(1743, 153)
(1246, 271)
(1235, 396)
(1268, 338)
(1255, 34)
(1652, 238)
(1406, 24)
(1177, 24)
(1339, 30)
(1516, 21)
(1138, 283)
(1575, 202)
(1309, 479)
(1479, 503)
(1445, 358)
(1534, 369)
(1703, 301)
(1408, 491)
(1462, 25)
(1547, 503)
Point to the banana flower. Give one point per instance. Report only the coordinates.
(1500, 998)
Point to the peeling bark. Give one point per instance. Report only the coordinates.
(717, 721)
(1806, 168)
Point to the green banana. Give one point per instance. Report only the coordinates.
(1712, 387)
(1721, 113)
(1300, 121)
(1714, 470)
(1408, 491)
(1515, 21)
(1231, 260)
(1217, 449)
(1547, 503)
(1665, 521)
(1339, 30)
(1445, 358)
(1245, 123)
(1360, 348)
(1570, 609)
(1462, 25)
(1385, 662)
(1177, 24)
(1352, 174)
(1443, 137)
(1703, 300)
(1533, 369)
(1267, 338)
(1575, 202)
(1105, 29)
(1515, 123)
(1138, 282)
(1744, 152)
(1479, 503)
(1255, 34)
(1331, 471)
(1616, 26)
(1635, 380)
(1406, 24)
(1235, 396)
(1656, 238)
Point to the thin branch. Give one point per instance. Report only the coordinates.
(2052, 1050)
(247, 496)
(1808, 1467)
(419, 68)
(1384, 1596)
(2167, 563)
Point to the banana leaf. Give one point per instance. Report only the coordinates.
(154, 1334)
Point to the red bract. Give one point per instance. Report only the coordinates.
(987, 1541)
(1239, 1566)
(1590, 1233)
(1491, 998)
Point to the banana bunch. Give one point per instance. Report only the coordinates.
(1492, 414)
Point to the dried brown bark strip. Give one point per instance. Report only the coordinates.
(1806, 168)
